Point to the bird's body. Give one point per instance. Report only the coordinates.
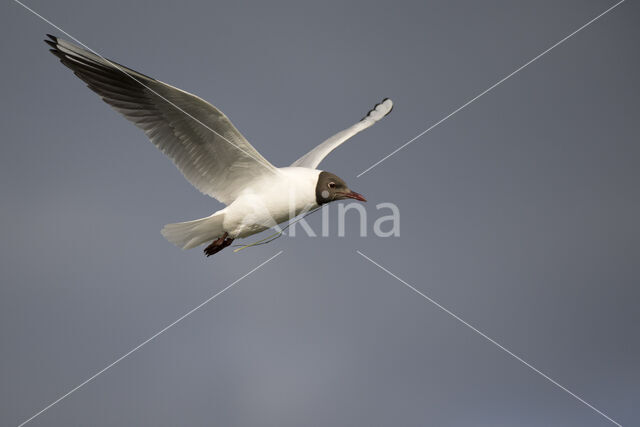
(264, 204)
(213, 155)
(260, 206)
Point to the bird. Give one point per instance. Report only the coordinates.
(213, 155)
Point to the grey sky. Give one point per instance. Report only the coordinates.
(519, 214)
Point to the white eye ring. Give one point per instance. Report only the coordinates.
(332, 185)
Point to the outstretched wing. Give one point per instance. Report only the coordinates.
(205, 146)
(313, 158)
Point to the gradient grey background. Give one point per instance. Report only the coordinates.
(520, 214)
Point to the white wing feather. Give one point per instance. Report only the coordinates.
(203, 143)
(313, 158)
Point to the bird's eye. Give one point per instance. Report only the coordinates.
(332, 185)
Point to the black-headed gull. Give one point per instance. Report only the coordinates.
(213, 155)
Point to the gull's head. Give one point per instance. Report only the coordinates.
(330, 187)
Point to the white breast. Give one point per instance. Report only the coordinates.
(271, 200)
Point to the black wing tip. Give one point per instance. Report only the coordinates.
(80, 53)
(392, 105)
(53, 43)
(57, 53)
(376, 106)
(51, 39)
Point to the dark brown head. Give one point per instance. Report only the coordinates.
(330, 188)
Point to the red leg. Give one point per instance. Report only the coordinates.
(218, 245)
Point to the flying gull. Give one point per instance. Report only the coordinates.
(213, 155)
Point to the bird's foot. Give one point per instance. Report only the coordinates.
(218, 245)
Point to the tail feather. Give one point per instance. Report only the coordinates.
(187, 235)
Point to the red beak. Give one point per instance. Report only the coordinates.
(354, 195)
